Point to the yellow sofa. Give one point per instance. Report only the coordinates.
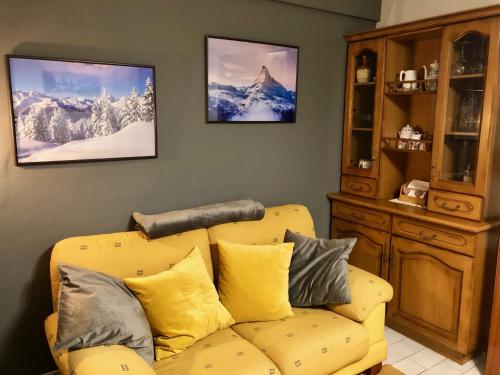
(344, 339)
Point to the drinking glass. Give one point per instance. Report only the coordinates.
(460, 66)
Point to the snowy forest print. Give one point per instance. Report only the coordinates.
(70, 111)
(250, 81)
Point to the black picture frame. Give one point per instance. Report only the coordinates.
(19, 162)
(208, 119)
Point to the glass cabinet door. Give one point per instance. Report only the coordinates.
(362, 113)
(457, 163)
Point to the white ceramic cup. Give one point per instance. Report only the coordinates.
(408, 75)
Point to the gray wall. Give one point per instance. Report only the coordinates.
(197, 163)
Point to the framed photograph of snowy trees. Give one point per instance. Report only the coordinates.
(73, 111)
(250, 81)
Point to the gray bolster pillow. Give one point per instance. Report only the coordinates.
(173, 222)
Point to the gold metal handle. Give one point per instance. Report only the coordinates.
(374, 158)
(427, 238)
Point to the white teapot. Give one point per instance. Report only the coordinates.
(433, 70)
(406, 132)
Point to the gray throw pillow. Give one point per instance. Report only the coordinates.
(97, 309)
(318, 270)
(173, 222)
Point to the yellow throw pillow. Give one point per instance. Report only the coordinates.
(253, 280)
(181, 305)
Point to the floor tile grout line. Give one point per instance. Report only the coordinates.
(408, 357)
(394, 343)
(427, 369)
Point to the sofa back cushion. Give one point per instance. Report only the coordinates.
(131, 254)
(126, 254)
(270, 230)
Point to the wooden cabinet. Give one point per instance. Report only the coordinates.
(442, 256)
(371, 251)
(440, 267)
(432, 292)
(363, 109)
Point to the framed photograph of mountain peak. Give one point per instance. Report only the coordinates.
(250, 82)
(73, 111)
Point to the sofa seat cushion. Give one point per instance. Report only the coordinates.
(221, 353)
(314, 341)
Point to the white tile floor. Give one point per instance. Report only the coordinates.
(412, 358)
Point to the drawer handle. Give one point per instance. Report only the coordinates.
(427, 238)
(358, 216)
(448, 208)
(356, 188)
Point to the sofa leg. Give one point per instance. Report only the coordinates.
(375, 370)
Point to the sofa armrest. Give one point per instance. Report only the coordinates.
(367, 292)
(105, 360)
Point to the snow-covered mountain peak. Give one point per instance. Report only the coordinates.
(264, 76)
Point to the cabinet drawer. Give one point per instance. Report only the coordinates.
(466, 206)
(365, 187)
(361, 215)
(434, 235)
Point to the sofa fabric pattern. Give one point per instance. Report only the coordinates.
(126, 254)
(314, 341)
(173, 222)
(181, 305)
(367, 290)
(223, 352)
(318, 270)
(97, 309)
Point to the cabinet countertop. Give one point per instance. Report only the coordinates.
(417, 213)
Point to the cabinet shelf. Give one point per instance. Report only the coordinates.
(371, 83)
(419, 87)
(406, 145)
(463, 134)
(467, 76)
(362, 129)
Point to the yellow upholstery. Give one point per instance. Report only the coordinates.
(126, 254)
(109, 359)
(314, 341)
(255, 296)
(181, 304)
(222, 353)
(367, 292)
(270, 230)
(130, 254)
(376, 354)
(373, 326)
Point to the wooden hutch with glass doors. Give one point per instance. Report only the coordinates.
(437, 126)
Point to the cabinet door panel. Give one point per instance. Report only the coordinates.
(465, 106)
(371, 251)
(432, 291)
(363, 105)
